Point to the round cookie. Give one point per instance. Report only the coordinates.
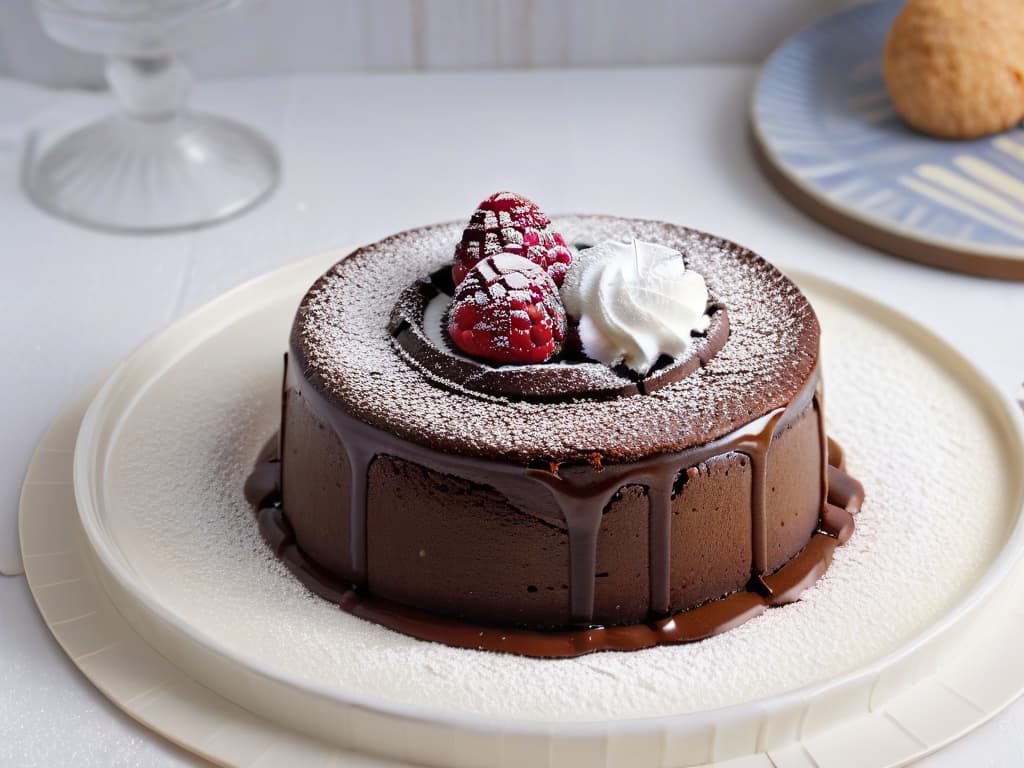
(955, 68)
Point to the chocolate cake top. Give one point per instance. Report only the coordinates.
(342, 340)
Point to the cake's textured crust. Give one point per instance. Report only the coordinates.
(955, 68)
(444, 511)
(341, 340)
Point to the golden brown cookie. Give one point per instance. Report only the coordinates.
(955, 68)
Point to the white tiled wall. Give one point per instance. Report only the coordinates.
(273, 36)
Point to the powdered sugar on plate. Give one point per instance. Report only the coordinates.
(937, 511)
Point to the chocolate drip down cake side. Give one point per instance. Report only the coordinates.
(497, 437)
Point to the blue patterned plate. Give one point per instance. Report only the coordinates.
(831, 138)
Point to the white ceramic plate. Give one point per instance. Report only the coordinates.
(58, 566)
(971, 688)
(158, 503)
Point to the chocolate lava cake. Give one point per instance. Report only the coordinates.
(541, 477)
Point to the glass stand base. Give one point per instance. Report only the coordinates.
(140, 175)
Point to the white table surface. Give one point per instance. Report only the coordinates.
(366, 155)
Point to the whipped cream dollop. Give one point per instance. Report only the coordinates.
(634, 303)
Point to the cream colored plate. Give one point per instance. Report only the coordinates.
(892, 709)
(111, 654)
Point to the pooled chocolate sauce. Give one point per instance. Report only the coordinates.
(711, 618)
(581, 493)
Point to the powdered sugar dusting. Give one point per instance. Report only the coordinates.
(341, 333)
(925, 448)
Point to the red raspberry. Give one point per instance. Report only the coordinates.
(509, 222)
(507, 310)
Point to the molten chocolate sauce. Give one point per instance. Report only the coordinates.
(581, 494)
(711, 618)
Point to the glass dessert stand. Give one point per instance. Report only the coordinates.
(155, 165)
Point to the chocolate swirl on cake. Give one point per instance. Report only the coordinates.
(570, 377)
